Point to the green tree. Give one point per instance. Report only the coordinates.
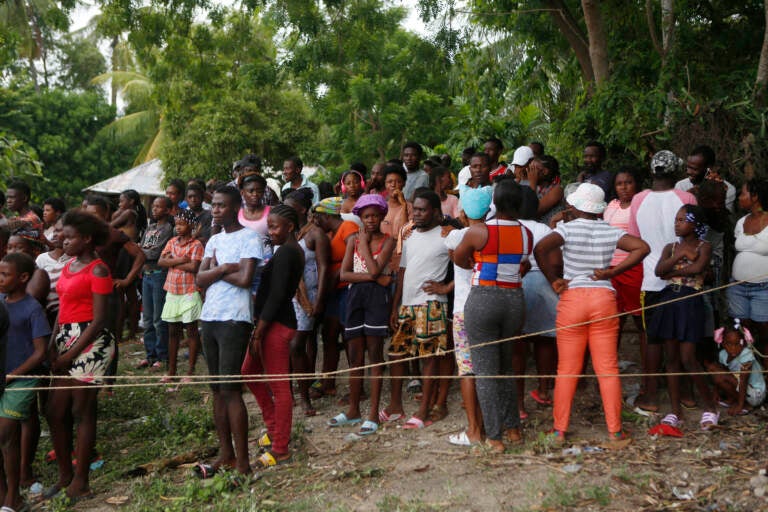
(63, 129)
(17, 160)
(373, 84)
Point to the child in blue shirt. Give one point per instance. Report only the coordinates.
(28, 334)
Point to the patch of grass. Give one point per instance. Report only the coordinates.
(356, 475)
(562, 493)
(396, 504)
(600, 494)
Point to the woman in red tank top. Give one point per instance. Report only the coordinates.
(81, 351)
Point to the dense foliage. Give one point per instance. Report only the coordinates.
(199, 84)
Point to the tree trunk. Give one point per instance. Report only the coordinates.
(651, 20)
(761, 83)
(663, 47)
(573, 33)
(114, 64)
(667, 25)
(598, 45)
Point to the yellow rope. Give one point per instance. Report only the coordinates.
(235, 378)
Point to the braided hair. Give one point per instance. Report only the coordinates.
(287, 213)
(141, 212)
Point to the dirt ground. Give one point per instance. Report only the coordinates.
(411, 470)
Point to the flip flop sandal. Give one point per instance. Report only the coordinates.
(415, 423)
(709, 421)
(672, 420)
(264, 441)
(204, 471)
(384, 417)
(460, 439)
(368, 427)
(539, 400)
(523, 415)
(267, 460)
(341, 420)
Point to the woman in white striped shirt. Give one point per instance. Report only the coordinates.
(586, 295)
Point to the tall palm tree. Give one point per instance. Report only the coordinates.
(24, 18)
(136, 89)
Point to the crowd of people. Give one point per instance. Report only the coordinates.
(450, 267)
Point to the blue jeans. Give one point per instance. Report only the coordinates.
(155, 330)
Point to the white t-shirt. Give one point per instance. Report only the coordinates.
(539, 231)
(425, 258)
(224, 301)
(462, 277)
(652, 218)
(751, 261)
(730, 192)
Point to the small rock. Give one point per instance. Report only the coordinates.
(351, 437)
(759, 492)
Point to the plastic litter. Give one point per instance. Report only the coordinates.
(685, 496)
(572, 468)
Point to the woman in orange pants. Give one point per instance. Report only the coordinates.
(586, 295)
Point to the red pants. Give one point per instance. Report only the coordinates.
(274, 397)
(581, 305)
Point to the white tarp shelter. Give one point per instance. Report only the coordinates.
(146, 179)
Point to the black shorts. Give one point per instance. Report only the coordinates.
(368, 308)
(224, 347)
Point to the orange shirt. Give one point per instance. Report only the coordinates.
(339, 247)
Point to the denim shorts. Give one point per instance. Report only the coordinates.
(540, 304)
(748, 301)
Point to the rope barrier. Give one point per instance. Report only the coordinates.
(248, 379)
(238, 378)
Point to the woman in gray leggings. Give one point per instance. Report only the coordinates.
(498, 252)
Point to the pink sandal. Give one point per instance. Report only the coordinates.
(385, 417)
(415, 423)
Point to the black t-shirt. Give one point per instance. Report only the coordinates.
(279, 282)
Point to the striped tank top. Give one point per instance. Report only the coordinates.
(498, 262)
